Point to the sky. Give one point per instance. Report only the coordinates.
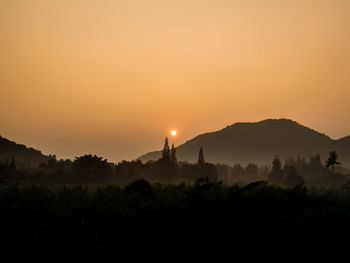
(112, 77)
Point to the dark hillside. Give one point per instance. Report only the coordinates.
(22, 154)
(259, 142)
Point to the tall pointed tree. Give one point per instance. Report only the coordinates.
(332, 160)
(173, 158)
(201, 156)
(166, 151)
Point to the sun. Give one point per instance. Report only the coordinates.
(173, 132)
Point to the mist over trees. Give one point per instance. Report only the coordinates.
(91, 209)
(241, 138)
(92, 169)
(258, 143)
(332, 160)
(201, 156)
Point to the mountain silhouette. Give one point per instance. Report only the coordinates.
(259, 142)
(22, 154)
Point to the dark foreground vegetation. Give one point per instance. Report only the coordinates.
(173, 223)
(92, 210)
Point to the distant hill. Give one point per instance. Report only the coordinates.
(259, 142)
(22, 154)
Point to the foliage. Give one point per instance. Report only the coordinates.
(292, 178)
(171, 222)
(173, 158)
(276, 175)
(332, 160)
(166, 151)
(251, 169)
(90, 168)
(8, 172)
(238, 170)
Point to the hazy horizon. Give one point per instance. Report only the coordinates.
(114, 77)
(171, 140)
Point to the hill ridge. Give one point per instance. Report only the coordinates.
(259, 142)
(26, 156)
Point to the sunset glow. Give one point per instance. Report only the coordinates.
(109, 77)
(146, 130)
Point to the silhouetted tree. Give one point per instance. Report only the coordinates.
(51, 162)
(130, 171)
(139, 188)
(92, 168)
(251, 169)
(173, 158)
(332, 160)
(201, 156)
(316, 163)
(276, 174)
(4, 172)
(223, 172)
(292, 178)
(166, 151)
(238, 170)
(8, 172)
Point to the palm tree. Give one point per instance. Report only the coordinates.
(332, 160)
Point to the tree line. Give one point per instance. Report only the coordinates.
(92, 169)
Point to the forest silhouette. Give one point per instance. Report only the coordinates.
(91, 169)
(90, 209)
(173, 222)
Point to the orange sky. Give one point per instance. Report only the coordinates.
(114, 77)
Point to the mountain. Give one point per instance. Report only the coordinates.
(22, 154)
(343, 148)
(259, 142)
